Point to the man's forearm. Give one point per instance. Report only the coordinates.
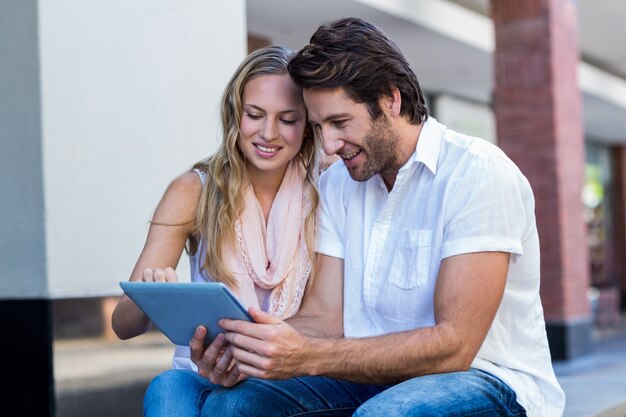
(387, 359)
(317, 326)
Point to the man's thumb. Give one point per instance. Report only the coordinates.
(262, 317)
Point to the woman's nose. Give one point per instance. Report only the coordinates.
(269, 131)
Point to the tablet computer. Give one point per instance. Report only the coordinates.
(178, 308)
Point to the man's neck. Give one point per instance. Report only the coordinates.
(407, 142)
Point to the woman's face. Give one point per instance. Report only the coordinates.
(272, 123)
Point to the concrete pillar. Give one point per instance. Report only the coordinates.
(102, 104)
(539, 124)
(25, 313)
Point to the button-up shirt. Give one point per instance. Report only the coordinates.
(456, 194)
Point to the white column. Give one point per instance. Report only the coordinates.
(129, 100)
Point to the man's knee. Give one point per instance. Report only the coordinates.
(456, 393)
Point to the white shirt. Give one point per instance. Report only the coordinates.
(456, 194)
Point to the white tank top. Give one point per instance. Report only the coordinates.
(181, 353)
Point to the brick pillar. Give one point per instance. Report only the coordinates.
(539, 124)
(257, 42)
(618, 155)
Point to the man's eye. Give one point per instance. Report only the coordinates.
(339, 123)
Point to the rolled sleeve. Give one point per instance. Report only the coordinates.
(482, 244)
(488, 211)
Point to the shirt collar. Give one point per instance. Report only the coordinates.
(427, 149)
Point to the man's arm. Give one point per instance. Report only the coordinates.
(467, 295)
(320, 315)
(321, 312)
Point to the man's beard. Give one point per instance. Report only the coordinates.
(379, 146)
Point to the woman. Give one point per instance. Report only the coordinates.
(246, 215)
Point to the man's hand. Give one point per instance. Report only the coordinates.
(269, 348)
(216, 362)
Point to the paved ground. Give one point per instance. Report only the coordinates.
(595, 384)
(98, 378)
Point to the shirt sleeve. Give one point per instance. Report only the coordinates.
(331, 213)
(490, 208)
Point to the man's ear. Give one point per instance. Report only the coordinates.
(393, 102)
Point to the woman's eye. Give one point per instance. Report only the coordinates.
(288, 122)
(253, 116)
(339, 123)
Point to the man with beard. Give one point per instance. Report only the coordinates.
(426, 292)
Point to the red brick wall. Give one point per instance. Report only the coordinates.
(539, 123)
(257, 42)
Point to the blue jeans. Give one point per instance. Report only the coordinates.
(472, 393)
(182, 393)
(475, 393)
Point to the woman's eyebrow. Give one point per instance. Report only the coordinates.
(263, 110)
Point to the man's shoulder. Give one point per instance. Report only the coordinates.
(472, 150)
(457, 148)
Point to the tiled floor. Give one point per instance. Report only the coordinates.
(102, 377)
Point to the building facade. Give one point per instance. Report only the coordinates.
(103, 103)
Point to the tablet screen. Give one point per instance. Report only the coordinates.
(178, 308)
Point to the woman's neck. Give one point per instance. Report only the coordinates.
(265, 185)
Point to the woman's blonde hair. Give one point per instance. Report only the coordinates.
(221, 201)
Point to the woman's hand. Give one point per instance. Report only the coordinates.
(216, 362)
(159, 275)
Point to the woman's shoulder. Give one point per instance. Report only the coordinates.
(187, 184)
(180, 200)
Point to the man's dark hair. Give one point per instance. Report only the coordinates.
(358, 56)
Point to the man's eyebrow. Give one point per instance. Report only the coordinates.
(332, 117)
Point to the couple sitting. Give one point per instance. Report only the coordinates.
(404, 281)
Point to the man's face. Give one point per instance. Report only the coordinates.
(366, 147)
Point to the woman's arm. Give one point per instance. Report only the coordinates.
(171, 226)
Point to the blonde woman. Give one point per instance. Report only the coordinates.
(246, 215)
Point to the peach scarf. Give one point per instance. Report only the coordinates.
(272, 260)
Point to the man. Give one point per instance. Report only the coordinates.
(426, 292)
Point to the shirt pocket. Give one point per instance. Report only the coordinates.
(411, 262)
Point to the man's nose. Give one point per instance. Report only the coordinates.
(331, 143)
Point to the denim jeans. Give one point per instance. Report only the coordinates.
(181, 393)
(472, 393)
